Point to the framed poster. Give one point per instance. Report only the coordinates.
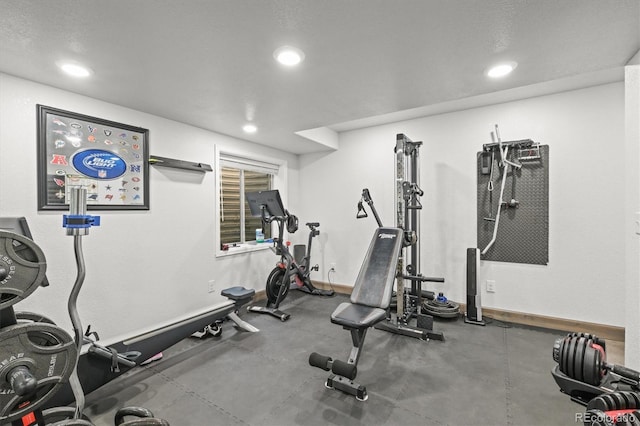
(110, 159)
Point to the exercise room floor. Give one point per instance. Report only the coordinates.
(493, 375)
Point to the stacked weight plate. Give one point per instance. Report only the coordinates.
(36, 356)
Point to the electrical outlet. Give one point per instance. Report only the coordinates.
(491, 286)
(212, 286)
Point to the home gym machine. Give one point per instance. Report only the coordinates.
(410, 299)
(291, 270)
(610, 392)
(38, 359)
(370, 300)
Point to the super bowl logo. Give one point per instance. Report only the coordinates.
(99, 164)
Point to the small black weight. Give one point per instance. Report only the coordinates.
(578, 360)
(22, 268)
(569, 355)
(47, 351)
(569, 351)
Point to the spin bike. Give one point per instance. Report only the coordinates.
(291, 270)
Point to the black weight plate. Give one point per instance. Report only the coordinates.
(274, 281)
(578, 360)
(571, 354)
(609, 402)
(635, 399)
(23, 265)
(620, 403)
(50, 355)
(600, 359)
(591, 366)
(448, 309)
(564, 354)
(629, 401)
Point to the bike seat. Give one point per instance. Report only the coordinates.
(313, 224)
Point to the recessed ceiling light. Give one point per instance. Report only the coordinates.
(249, 128)
(74, 69)
(502, 69)
(289, 56)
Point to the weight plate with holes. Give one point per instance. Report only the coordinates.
(22, 268)
(440, 309)
(274, 282)
(47, 351)
(24, 317)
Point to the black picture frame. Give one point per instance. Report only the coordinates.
(110, 159)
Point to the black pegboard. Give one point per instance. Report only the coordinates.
(523, 232)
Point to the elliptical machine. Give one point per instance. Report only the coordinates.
(291, 270)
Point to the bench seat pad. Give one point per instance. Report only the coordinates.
(357, 316)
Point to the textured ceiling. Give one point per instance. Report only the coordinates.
(209, 63)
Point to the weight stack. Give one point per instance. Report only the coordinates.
(474, 307)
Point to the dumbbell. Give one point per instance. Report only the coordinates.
(582, 357)
(615, 408)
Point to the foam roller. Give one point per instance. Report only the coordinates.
(320, 361)
(344, 369)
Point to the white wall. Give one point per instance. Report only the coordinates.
(632, 213)
(144, 268)
(585, 132)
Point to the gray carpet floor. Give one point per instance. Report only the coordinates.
(493, 375)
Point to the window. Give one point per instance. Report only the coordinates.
(237, 176)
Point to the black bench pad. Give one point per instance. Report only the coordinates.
(238, 292)
(357, 316)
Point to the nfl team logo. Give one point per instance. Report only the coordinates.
(102, 174)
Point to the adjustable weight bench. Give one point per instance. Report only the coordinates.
(370, 299)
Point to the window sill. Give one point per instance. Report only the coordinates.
(244, 248)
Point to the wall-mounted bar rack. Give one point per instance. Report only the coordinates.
(155, 160)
